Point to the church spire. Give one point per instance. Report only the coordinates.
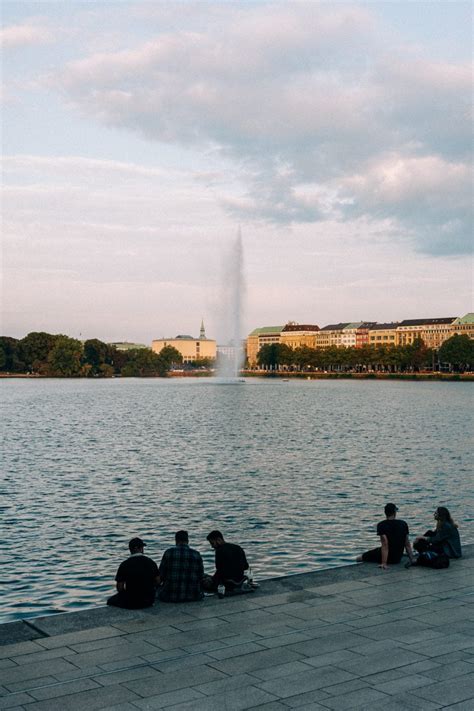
(202, 335)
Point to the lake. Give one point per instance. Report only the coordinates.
(296, 472)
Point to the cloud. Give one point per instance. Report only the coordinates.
(320, 117)
(23, 35)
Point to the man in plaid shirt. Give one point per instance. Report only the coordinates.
(181, 572)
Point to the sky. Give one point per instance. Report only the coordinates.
(139, 137)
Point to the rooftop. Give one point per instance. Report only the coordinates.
(353, 637)
(468, 318)
(266, 330)
(300, 327)
(427, 321)
(335, 326)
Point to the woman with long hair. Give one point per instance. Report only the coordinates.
(444, 539)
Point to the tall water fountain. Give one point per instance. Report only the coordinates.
(231, 314)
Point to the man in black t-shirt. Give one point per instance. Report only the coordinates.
(137, 579)
(230, 562)
(394, 540)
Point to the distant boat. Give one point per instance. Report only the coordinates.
(285, 380)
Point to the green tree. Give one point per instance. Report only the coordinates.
(274, 355)
(35, 348)
(97, 354)
(65, 358)
(169, 357)
(458, 352)
(142, 362)
(11, 355)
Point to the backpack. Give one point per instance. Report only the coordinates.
(432, 559)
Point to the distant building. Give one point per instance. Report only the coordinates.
(383, 334)
(463, 326)
(296, 335)
(432, 331)
(126, 346)
(330, 335)
(261, 337)
(191, 349)
(362, 334)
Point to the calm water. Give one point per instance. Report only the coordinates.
(296, 472)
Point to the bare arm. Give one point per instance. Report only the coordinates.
(409, 550)
(384, 543)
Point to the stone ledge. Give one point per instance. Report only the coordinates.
(300, 587)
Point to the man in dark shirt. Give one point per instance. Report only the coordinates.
(230, 562)
(394, 540)
(137, 579)
(181, 572)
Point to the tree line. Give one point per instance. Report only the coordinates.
(57, 355)
(455, 354)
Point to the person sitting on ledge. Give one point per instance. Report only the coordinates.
(445, 539)
(231, 563)
(181, 572)
(394, 539)
(137, 579)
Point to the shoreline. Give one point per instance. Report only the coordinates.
(31, 628)
(441, 377)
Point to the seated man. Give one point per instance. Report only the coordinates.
(181, 572)
(231, 563)
(394, 539)
(137, 579)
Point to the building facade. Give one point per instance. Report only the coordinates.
(297, 335)
(432, 331)
(260, 337)
(383, 334)
(464, 326)
(191, 349)
(330, 335)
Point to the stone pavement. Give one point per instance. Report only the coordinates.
(354, 637)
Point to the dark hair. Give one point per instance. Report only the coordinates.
(181, 537)
(443, 515)
(214, 535)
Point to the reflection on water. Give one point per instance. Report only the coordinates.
(298, 473)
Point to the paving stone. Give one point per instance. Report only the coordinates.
(227, 683)
(44, 655)
(256, 660)
(450, 643)
(366, 666)
(7, 664)
(27, 684)
(168, 699)
(173, 681)
(307, 700)
(451, 692)
(324, 660)
(346, 687)
(360, 699)
(65, 640)
(235, 700)
(329, 643)
(235, 651)
(118, 677)
(120, 652)
(280, 670)
(13, 701)
(18, 648)
(91, 700)
(56, 690)
(191, 660)
(407, 682)
(33, 671)
(306, 681)
(449, 671)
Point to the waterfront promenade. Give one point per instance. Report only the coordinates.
(353, 637)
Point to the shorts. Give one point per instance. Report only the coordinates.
(375, 556)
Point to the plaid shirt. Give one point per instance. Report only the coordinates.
(181, 570)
